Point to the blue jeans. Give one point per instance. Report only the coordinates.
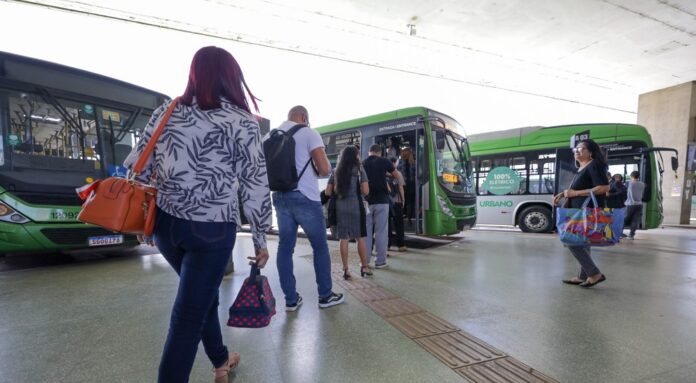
(293, 209)
(198, 252)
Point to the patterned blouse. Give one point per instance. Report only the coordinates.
(202, 159)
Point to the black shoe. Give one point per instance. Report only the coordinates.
(295, 305)
(364, 270)
(346, 275)
(588, 284)
(332, 300)
(572, 282)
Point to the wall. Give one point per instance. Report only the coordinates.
(670, 116)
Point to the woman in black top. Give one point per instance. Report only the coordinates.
(591, 177)
(616, 197)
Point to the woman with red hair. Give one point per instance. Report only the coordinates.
(209, 149)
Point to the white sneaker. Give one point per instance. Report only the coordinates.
(294, 306)
(332, 300)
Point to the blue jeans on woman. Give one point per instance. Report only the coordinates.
(198, 252)
(293, 209)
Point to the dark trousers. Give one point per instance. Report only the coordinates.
(587, 266)
(396, 225)
(410, 195)
(634, 214)
(198, 252)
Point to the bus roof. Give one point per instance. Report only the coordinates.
(16, 69)
(377, 118)
(540, 137)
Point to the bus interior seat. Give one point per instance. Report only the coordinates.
(27, 148)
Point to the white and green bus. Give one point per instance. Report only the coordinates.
(517, 171)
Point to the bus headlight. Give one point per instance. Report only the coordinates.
(8, 214)
(443, 206)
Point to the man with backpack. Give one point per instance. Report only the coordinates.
(294, 157)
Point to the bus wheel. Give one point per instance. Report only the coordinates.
(535, 219)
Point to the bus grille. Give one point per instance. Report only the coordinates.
(78, 236)
(48, 199)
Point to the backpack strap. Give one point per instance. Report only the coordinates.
(292, 132)
(295, 128)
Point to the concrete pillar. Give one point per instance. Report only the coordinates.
(670, 116)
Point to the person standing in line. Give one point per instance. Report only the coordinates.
(616, 196)
(407, 168)
(210, 147)
(349, 183)
(396, 211)
(377, 167)
(634, 203)
(302, 208)
(591, 178)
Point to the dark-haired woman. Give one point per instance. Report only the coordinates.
(591, 177)
(209, 148)
(349, 183)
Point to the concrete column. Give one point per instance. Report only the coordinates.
(670, 116)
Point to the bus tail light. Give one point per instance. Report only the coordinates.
(8, 214)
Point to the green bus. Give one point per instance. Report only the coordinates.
(444, 201)
(61, 128)
(518, 171)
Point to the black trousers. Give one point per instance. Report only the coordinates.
(396, 225)
(634, 214)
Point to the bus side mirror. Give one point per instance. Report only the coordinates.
(439, 140)
(675, 164)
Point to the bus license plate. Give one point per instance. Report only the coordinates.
(105, 240)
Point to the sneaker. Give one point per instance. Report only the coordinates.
(623, 235)
(631, 237)
(294, 306)
(381, 265)
(332, 300)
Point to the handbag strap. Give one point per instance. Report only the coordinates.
(590, 197)
(145, 155)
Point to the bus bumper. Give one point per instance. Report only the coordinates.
(40, 237)
(467, 223)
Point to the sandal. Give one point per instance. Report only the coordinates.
(573, 281)
(222, 373)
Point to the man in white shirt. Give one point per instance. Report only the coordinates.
(302, 207)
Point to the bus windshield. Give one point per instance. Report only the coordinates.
(450, 154)
(48, 127)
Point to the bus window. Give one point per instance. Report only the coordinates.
(518, 164)
(542, 174)
(482, 172)
(334, 144)
(46, 129)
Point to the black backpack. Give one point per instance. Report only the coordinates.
(279, 150)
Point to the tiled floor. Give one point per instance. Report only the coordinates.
(105, 321)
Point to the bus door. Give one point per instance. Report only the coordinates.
(565, 169)
(393, 146)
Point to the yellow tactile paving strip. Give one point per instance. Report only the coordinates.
(502, 371)
(458, 349)
(473, 359)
